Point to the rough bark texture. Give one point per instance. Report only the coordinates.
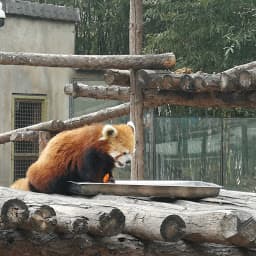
(157, 97)
(117, 77)
(230, 79)
(53, 126)
(136, 95)
(247, 79)
(24, 136)
(41, 212)
(92, 62)
(99, 116)
(57, 225)
(97, 92)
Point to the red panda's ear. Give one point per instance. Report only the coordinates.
(131, 124)
(108, 131)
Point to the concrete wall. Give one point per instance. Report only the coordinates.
(24, 34)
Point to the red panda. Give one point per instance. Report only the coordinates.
(86, 154)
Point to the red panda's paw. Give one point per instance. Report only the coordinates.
(108, 178)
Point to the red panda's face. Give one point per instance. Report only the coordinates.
(121, 142)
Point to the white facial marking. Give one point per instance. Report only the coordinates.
(121, 159)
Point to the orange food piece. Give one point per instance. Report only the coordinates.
(106, 178)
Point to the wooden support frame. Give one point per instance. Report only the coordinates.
(136, 95)
(89, 62)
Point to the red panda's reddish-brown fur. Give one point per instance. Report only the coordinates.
(66, 153)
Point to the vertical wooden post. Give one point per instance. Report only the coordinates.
(44, 137)
(136, 96)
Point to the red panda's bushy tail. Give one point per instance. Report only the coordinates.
(21, 184)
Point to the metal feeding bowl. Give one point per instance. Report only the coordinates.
(148, 188)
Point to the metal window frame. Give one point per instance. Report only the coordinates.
(44, 115)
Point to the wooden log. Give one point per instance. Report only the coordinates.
(70, 220)
(100, 221)
(159, 248)
(14, 213)
(219, 224)
(52, 126)
(154, 97)
(163, 79)
(24, 136)
(14, 243)
(136, 115)
(95, 62)
(147, 223)
(98, 116)
(41, 218)
(247, 79)
(203, 99)
(43, 139)
(97, 92)
(136, 95)
(117, 77)
(223, 227)
(230, 79)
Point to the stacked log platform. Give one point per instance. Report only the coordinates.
(42, 224)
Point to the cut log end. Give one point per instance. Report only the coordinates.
(14, 212)
(173, 228)
(112, 223)
(80, 226)
(43, 219)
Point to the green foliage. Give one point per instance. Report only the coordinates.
(103, 28)
(205, 35)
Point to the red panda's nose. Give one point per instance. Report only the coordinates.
(128, 161)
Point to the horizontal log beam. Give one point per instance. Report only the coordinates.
(98, 116)
(45, 213)
(51, 126)
(230, 79)
(95, 62)
(224, 226)
(154, 97)
(247, 78)
(24, 136)
(97, 91)
(33, 243)
(117, 77)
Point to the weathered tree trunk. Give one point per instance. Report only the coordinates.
(218, 225)
(136, 95)
(14, 212)
(97, 91)
(24, 136)
(53, 125)
(58, 213)
(230, 79)
(247, 79)
(154, 97)
(99, 116)
(117, 77)
(94, 62)
(15, 243)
